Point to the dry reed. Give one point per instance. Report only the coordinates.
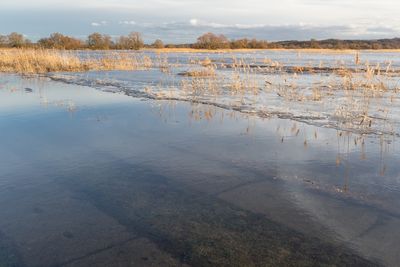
(30, 61)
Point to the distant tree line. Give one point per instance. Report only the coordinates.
(341, 44)
(95, 41)
(211, 41)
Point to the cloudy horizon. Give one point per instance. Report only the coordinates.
(182, 21)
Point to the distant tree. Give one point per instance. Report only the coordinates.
(3, 41)
(95, 41)
(339, 45)
(212, 41)
(170, 46)
(122, 43)
(314, 44)
(255, 44)
(158, 44)
(132, 41)
(60, 41)
(99, 41)
(376, 46)
(239, 44)
(136, 41)
(17, 40)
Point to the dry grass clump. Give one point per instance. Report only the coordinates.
(30, 61)
(119, 61)
(208, 72)
(240, 86)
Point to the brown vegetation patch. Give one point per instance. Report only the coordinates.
(210, 72)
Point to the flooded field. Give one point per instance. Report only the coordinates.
(271, 158)
(354, 91)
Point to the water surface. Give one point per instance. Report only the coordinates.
(92, 177)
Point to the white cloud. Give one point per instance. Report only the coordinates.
(249, 26)
(127, 22)
(200, 23)
(251, 18)
(98, 24)
(194, 22)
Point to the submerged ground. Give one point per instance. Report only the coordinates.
(129, 169)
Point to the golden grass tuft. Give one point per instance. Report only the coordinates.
(208, 72)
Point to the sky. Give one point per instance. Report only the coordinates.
(182, 21)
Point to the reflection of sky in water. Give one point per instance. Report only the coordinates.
(319, 181)
(16, 96)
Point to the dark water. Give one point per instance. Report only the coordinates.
(90, 178)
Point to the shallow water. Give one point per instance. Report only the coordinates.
(98, 177)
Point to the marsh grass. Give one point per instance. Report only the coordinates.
(31, 61)
(39, 61)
